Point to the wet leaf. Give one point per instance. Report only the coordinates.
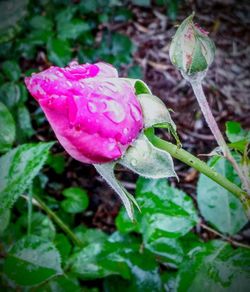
(41, 225)
(215, 267)
(217, 205)
(32, 260)
(57, 162)
(72, 29)
(76, 200)
(101, 259)
(154, 111)
(17, 169)
(59, 52)
(235, 132)
(4, 219)
(166, 211)
(10, 94)
(63, 245)
(168, 250)
(61, 283)
(8, 129)
(11, 70)
(148, 161)
(11, 12)
(24, 126)
(39, 22)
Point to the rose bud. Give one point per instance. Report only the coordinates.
(95, 115)
(98, 118)
(191, 50)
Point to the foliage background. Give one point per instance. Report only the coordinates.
(169, 247)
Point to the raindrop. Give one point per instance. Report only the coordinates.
(77, 127)
(73, 64)
(49, 102)
(111, 86)
(133, 162)
(125, 131)
(114, 111)
(92, 107)
(135, 112)
(111, 146)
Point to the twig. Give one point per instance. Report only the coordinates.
(233, 242)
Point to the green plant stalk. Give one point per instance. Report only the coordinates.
(205, 108)
(58, 221)
(196, 84)
(202, 167)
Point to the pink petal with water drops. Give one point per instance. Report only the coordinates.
(94, 114)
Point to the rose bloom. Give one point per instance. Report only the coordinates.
(95, 114)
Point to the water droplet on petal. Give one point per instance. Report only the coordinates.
(92, 107)
(133, 162)
(112, 86)
(73, 64)
(49, 102)
(77, 127)
(135, 112)
(114, 111)
(125, 131)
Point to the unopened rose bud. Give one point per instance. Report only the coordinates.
(94, 113)
(191, 50)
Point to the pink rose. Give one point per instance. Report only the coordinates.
(94, 113)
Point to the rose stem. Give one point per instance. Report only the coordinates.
(58, 221)
(202, 167)
(196, 83)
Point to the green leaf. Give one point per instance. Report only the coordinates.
(217, 205)
(141, 88)
(124, 224)
(72, 29)
(41, 225)
(11, 12)
(169, 281)
(235, 134)
(4, 219)
(10, 94)
(154, 111)
(57, 162)
(118, 256)
(31, 261)
(143, 3)
(144, 275)
(148, 161)
(61, 283)
(63, 246)
(101, 259)
(8, 129)
(215, 267)
(166, 211)
(59, 52)
(18, 167)
(135, 72)
(88, 236)
(77, 200)
(24, 126)
(168, 250)
(11, 70)
(39, 22)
